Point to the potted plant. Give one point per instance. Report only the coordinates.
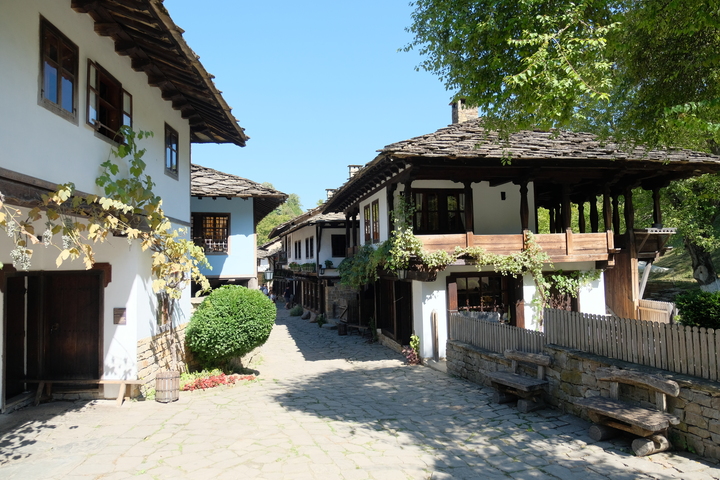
(328, 264)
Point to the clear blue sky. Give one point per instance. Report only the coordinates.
(317, 85)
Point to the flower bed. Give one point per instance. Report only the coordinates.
(204, 383)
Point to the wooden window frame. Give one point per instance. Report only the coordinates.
(367, 221)
(210, 243)
(172, 152)
(108, 104)
(375, 211)
(63, 72)
(421, 220)
(312, 247)
(298, 249)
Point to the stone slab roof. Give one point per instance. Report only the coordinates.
(470, 140)
(207, 182)
(466, 152)
(143, 31)
(311, 217)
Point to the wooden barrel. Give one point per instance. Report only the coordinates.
(342, 328)
(167, 387)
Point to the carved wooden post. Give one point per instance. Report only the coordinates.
(594, 220)
(630, 220)
(566, 208)
(524, 208)
(607, 211)
(657, 213)
(581, 216)
(469, 211)
(616, 214)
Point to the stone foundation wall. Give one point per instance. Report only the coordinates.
(572, 376)
(155, 354)
(336, 296)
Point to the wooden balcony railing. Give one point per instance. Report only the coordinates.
(561, 247)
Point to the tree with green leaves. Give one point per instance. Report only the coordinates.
(641, 72)
(285, 212)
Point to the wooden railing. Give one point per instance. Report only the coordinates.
(678, 348)
(493, 335)
(561, 247)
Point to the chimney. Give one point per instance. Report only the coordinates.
(353, 170)
(461, 113)
(330, 192)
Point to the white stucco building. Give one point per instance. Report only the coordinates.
(73, 73)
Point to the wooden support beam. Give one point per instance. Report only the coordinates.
(581, 217)
(657, 213)
(524, 206)
(615, 214)
(594, 220)
(607, 210)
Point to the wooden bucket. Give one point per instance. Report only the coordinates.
(167, 387)
(342, 328)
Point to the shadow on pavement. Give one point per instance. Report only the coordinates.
(463, 433)
(20, 429)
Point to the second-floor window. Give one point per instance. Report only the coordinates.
(59, 71)
(108, 106)
(171, 151)
(211, 231)
(375, 221)
(439, 211)
(366, 223)
(298, 249)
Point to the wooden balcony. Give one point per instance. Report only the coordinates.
(561, 247)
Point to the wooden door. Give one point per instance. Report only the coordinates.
(403, 311)
(15, 321)
(71, 325)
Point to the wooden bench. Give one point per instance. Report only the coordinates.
(511, 386)
(611, 414)
(47, 384)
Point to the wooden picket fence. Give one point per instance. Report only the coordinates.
(678, 348)
(656, 311)
(493, 335)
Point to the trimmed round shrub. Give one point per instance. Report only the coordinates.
(231, 322)
(698, 308)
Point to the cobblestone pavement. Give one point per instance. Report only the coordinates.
(324, 407)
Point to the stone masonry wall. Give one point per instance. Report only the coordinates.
(336, 296)
(155, 354)
(572, 376)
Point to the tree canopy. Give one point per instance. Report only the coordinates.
(641, 71)
(287, 211)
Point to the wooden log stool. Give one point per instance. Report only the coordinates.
(610, 414)
(511, 386)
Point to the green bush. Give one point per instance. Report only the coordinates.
(296, 311)
(698, 308)
(231, 322)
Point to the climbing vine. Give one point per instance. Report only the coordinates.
(129, 208)
(403, 246)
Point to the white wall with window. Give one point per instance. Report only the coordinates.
(224, 227)
(374, 218)
(63, 144)
(333, 246)
(47, 132)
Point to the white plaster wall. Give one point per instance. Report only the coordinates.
(429, 297)
(130, 288)
(494, 216)
(381, 196)
(302, 234)
(326, 246)
(591, 298)
(37, 142)
(241, 260)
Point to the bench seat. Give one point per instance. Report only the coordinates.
(91, 381)
(517, 382)
(638, 420)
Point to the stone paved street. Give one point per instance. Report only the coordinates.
(325, 407)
